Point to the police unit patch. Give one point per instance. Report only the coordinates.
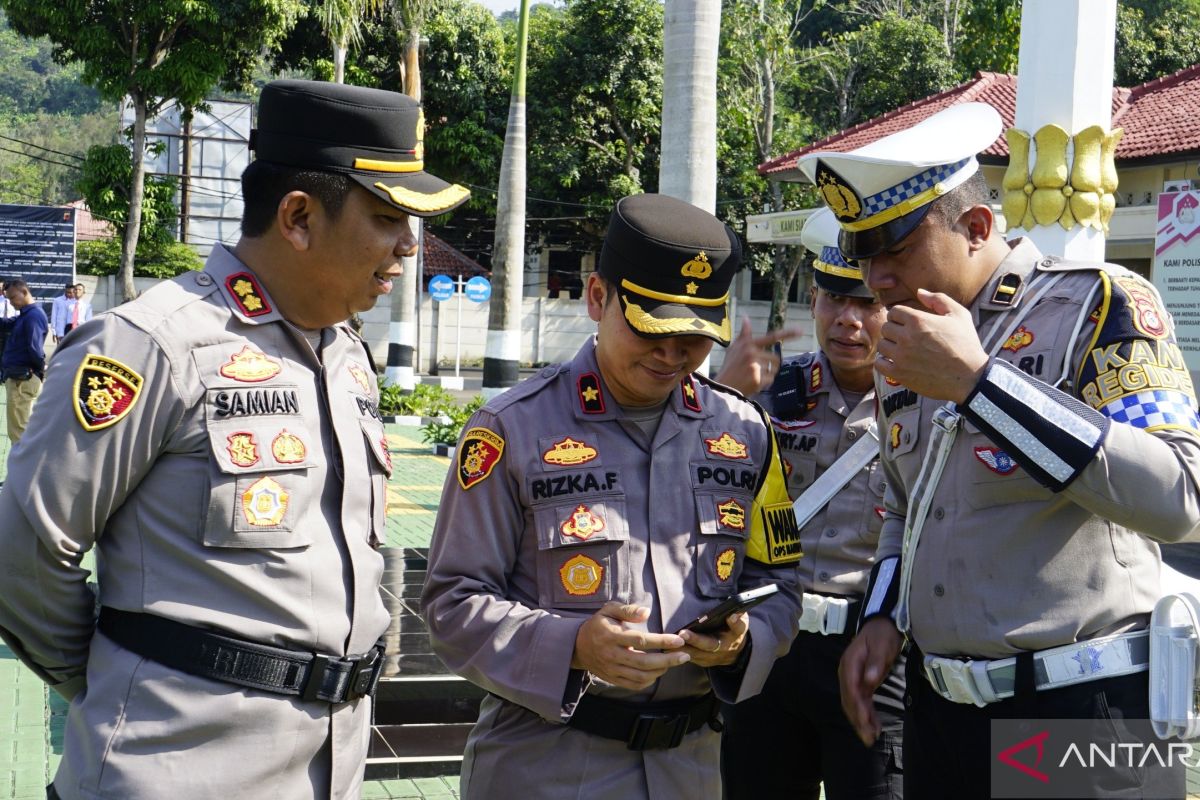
(582, 524)
(894, 435)
(591, 399)
(996, 460)
(1021, 338)
(105, 391)
(360, 377)
(569, 453)
(249, 296)
(249, 365)
(732, 514)
(243, 449)
(1148, 317)
(287, 448)
(688, 387)
(727, 446)
(726, 560)
(478, 454)
(264, 503)
(581, 575)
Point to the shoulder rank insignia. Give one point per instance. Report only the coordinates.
(249, 365)
(727, 446)
(591, 399)
(1021, 338)
(105, 391)
(731, 514)
(265, 502)
(726, 560)
(569, 453)
(243, 449)
(996, 460)
(688, 388)
(1007, 289)
(814, 380)
(249, 296)
(478, 454)
(360, 377)
(582, 524)
(581, 575)
(288, 448)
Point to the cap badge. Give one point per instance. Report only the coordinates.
(250, 366)
(264, 503)
(288, 448)
(727, 446)
(725, 561)
(105, 391)
(569, 452)
(478, 455)
(243, 450)
(697, 267)
(581, 575)
(731, 514)
(582, 524)
(845, 204)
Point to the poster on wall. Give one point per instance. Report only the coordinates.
(1177, 267)
(37, 244)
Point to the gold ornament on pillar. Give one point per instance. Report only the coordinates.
(1079, 193)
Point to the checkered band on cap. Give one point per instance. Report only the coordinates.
(878, 203)
(833, 256)
(1155, 409)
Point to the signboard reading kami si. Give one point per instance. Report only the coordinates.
(1177, 268)
(37, 244)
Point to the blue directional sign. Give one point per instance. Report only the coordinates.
(478, 289)
(441, 288)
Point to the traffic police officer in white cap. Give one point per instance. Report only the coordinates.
(1039, 436)
(218, 442)
(596, 509)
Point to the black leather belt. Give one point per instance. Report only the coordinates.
(645, 726)
(200, 652)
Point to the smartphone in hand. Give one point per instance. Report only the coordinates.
(714, 619)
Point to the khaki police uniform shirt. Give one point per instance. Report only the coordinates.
(557, 504)
(228, 479)
(839, 541)
(1005, 564)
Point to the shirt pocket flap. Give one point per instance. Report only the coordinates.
(241, 446)
(584, 521)
(725, 513)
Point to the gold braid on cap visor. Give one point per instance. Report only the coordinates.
(425, 202)
(835, 269)
(641, 320)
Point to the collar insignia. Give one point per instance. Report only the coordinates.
(105, 391)
(581, 575)
(591, 399)
(842, 200)
(731, 514)
(478, 454)
(1021, 338)
(264, 503)
(245, 291)
(250, 366)
(582, 524)
(1007, 290)
(726, 560)
(688, 388)
(288, 448)
(697, 268)
(243, 450)
(569, 452)
(726, 445)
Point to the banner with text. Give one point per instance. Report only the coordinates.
(1177, 267)
(37, 244)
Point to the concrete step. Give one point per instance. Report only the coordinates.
(421, 726)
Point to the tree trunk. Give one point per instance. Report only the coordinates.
(691, 32)
(502, 354)
(137, 189)
(339, 62)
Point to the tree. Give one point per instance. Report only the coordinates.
(688, 166)
(342, 22)
(1156, 42)
(153, 51)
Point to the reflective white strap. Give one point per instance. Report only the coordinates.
(832, 480)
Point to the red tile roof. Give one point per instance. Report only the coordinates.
(442, 259)
(1160, 118)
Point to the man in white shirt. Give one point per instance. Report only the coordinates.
(81, 311)
(60, 311)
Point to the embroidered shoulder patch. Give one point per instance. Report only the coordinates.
(478, 454)
(249, 296)
(105, 391)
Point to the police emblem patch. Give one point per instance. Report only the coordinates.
(247, 294)
(726, 560)
(105, 391)
(1148, 317)
(478, 453)
(843, 201)
(360, 377)
(591, 399)
(287, 448)
(249, 365)
(265, 502)
(243, 449)
(581, 575)
(697, 267)
(996, 460)
(569, 452)
(582, 524)
(1021, 338)
(732, 514)
(727, 446)
(894, 435)
(688, 389)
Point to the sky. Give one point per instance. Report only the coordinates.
(500, 6)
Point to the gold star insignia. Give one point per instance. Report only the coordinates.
(691, 287)
(243, 287)
(590, 393)
(252, 303)
(109, 381)
(689, 391)
(93, 383)
(118, 393)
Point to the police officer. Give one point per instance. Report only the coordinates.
(596, 509)
(822, 405)
(216, 441)
(1039, 436)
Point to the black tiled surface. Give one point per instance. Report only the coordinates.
(407, 639)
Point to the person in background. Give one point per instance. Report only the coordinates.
(23, 362)
(61, 310)
(81, 311)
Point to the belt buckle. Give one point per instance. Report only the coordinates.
(657, 731)
(957, 678)
(364, 677)
(946, 418)
(315, 682)
(812, 617)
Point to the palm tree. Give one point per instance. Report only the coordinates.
(341, 20)
(688, 167)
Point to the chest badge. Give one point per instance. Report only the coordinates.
(249, 365)
(478, 454)
(105, 391)
(726, 560)
(894, 434)
(247, 294)
(727, 446)
(1021, 338)
(243, 449)
(581, 575)
(569, 453)
(288, 448)
(731, 514)
(996, 460)
(582, 524)
(360, 377)
(265, 502)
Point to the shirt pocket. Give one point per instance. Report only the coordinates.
(903, 434)
(723, 523)
(582, 553)
(258, 486)
(996, 478)
(801, 471)
(380, 466)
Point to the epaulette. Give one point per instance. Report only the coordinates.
(163, 300)
(526, 388)
(1056, 264)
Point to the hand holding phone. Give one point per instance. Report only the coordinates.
(714, 619)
